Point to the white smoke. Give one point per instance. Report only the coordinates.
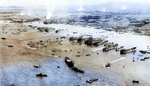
(49, 12)
(81, 8)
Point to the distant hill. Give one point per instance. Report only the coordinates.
(11, 7)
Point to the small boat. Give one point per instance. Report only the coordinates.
(142, 51)
(92, 80)
(41, 75)
(69, 62)
(134, 81)
(36, 65)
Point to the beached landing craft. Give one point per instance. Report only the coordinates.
(125, 51)
(69, 62)
(144, 52)
(77, 70)
(109, 47)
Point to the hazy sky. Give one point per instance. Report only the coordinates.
(59, 2)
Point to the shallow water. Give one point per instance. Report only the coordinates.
(63, 76)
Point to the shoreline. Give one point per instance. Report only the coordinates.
(22, 54)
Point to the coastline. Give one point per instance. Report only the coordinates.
(23, 55)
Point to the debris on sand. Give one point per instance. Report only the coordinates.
(10, 45)
(88, 54)
(91, 80)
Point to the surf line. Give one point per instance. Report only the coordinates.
(97, 49)
(116, 60)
